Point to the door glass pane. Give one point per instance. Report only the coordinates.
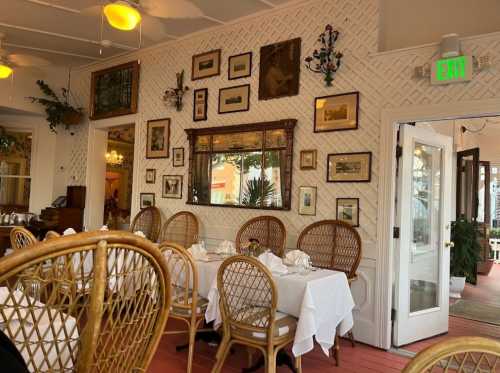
(426, 212)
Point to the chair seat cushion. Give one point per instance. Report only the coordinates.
(284, 326)
(180, 308)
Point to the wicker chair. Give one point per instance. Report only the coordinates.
(336, 245)
(270, 232)
(21, 237)
(51, 234)
(95, 333)
(459, 355)
(148, 221)
(186, 305)
(181, 228)
(248, 299)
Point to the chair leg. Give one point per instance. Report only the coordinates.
(250, 356)
(298, 364)
(192, 341)
(221, 355)
(351, 337)
(271, 360)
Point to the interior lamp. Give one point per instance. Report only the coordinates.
(5, 71)
(122, 16)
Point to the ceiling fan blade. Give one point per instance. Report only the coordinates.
(153, 28)
(25, 60)
(92, 11)
(171, 8)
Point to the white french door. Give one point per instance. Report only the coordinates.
(422, 256)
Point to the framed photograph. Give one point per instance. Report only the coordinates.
(206, 65)
(307, 200)
(158, 141)
(348, 210)
(308, 159)
(114, 91)
(200, 104)
(240, 66)
(150, 176)
(336, 113)
(349, 167)
(234, 99)
(147, 200)
(279, 69)
(178, 157)
(172, 186)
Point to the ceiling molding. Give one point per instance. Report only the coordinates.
(54, 6)
(268, 3)
(53, 51)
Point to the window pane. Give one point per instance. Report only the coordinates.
(17, 161)
(226, 179)
(14, 194)
(276, 139)
(202, 144)
(238, 141)
(201, 171)
(273, 178)
(252, 179)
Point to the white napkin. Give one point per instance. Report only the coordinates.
(297, 258)
(226, 247)
(198, 252)
(273, 263)
(140, 234)
(104, 228)
(69, 231)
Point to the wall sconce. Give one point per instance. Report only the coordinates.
(174, 95)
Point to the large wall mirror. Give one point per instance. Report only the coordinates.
(247, 166)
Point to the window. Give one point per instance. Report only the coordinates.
(15, 179)
(242, 166)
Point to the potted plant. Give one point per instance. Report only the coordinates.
(464, 255)
(58, 110)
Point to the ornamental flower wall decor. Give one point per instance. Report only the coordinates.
(174, 95)
(327, 59)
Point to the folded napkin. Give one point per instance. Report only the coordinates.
(273, 263)
(69, 231)
(297, 258)
(104, 228)
(198, 252)
(140, 234)
(226, 247)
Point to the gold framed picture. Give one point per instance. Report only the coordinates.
(147, 200)
(206, 65)
(308, 159)
(150, 176)
(234, 99)
(158, 140)
(240, 66)
(307, 200)
(349, 167)
(336, 113)
(348, 210)
(172, 186)
(178, 157)
(200, 104)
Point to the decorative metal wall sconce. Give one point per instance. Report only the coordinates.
(326, 59)
(174, 95)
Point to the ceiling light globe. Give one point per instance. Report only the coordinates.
(5, 71)
(122, 16)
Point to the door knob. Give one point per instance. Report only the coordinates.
(450, 244)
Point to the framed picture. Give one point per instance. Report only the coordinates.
(307, 200)
(348, 210)
(279, 69)
(178, 157)
(150, 176)
(114, 91)
(172, 186)
(234, 99)
(200, 104)
(308, 159)
(349, 167)
(336, 113)
(206, 65)
(147, 200)
(158, 140)
(240, 66)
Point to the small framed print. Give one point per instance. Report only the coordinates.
(307, 200)
(348, 210)
(178, 157)
(158, 138)
(147, 200)
(240, 66)
(336, 113)
(308, 159)
(200, 104)
(150, 176)
(349, 167)
(234, 99)
(172, 186)
(206, 65)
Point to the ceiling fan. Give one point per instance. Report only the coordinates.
(10, 61)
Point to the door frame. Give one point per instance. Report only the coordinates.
(390, 118)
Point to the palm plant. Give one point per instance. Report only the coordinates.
(256, 192)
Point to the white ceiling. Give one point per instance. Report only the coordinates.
(71, 36)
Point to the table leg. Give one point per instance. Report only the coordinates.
(283, 358)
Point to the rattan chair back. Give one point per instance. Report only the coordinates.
(458, 355)
(148, 221)
(113, 327)
(20, 238)
(268, 230)
(181, 228)
(51, 234)
(332, 244)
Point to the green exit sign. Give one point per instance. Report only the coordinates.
(452, 70)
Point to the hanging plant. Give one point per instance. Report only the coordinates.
(58, 110)
(7, 142)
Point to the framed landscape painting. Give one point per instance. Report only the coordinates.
(308, 159)
(147, 200)
(349, 167)
(348, 210)
(336, 113)
(158, 140)
(240, 66)
(234, 99)
(206, 65)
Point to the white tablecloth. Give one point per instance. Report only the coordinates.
(321, 300)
